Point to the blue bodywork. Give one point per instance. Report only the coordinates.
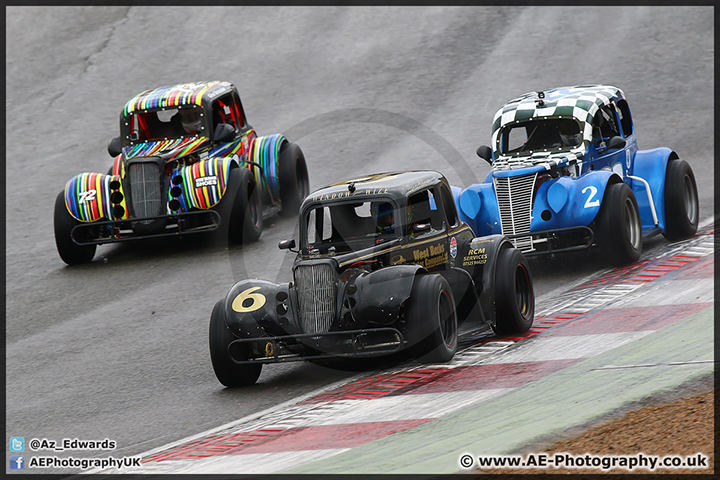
(550, 187)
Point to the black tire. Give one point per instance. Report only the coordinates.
(70, 252)
(681, 201)
(432, 313)
(618, 226)
(240, 209)
(228, 372)
(514, 293)
(294, 181)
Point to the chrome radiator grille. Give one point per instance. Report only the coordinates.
(145, 190)
(316, 289)
(515, 201)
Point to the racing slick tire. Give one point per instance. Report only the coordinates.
(70, 252)
(432, 309)
(514, 295)
(294, 182)
(681, 201)
(228, 372)
(240, 209)
(619, 230)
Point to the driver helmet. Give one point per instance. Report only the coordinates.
(191, 121)
(570, 135)
(384, 217)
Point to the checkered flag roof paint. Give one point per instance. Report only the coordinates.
(580, 102)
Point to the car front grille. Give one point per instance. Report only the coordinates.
(515, 201)
(316, 286)
(145, 190)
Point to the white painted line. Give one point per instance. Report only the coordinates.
(680, 292)
(539, 349)
(260, 463)
(401, 407)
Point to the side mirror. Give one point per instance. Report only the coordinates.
(485, 153)
(420, 228)
(224, 133)
(114, 147)
(616, 142)
(286, 244)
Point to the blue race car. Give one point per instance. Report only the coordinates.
(567, 174)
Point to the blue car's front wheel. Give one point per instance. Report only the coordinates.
(681, 201)
(618, 226)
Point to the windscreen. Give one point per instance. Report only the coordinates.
(346, 227)
(164, 124)
(540, 134)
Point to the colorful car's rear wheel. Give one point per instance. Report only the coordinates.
(294, 183)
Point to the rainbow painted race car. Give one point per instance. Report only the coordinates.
(186, 161)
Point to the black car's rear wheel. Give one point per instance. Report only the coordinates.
(681, 201)
(514, 295)
(432, 313)
(227, 371)
(294, 182)
(70, 252)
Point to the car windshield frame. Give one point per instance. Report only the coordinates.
(544, 137)
(345, 234)
(159, 124)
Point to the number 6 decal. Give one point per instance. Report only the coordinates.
(258, 300)
(590, 202)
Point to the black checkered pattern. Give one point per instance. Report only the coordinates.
(580, 102)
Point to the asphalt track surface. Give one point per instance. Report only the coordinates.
(118, 348)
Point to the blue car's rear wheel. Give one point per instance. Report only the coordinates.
(681, 201)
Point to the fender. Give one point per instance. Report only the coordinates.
(651, 165)
(380, 294)
(118, 167)
(570, 201)
(477, 206)
(89, 197)
(265, 151)
(479, 258)
(252, 309)
(202, 184)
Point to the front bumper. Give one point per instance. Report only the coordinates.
(555, 241)
(369, 342)
(112, 231)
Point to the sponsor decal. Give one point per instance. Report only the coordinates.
(431, 257)
(206, 181)
(475, 256)
(453, 247)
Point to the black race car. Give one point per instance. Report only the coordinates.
(384, 265)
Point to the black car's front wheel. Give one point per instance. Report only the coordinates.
(514, 295)
(226, 370)
(432, 312)
(70, 252)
